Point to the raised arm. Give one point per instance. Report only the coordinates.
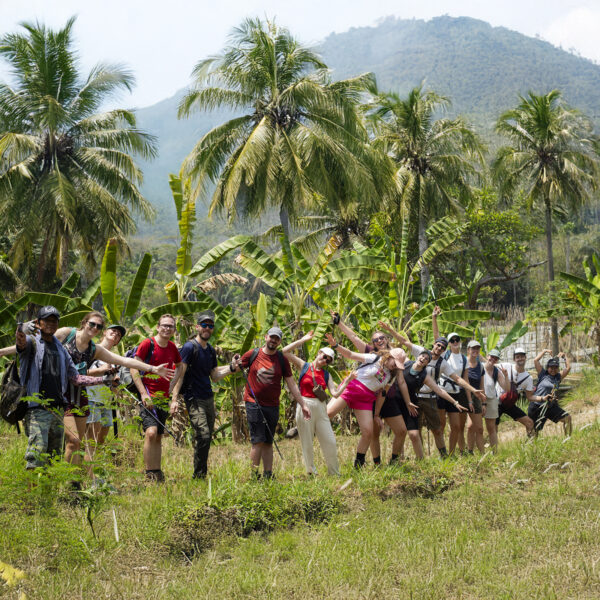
(397, 336)
(133, 363)
(567, 368)
(9, 350)
(467, 386)
(294, 360)
(536, 361)
(291, 347)
(344, 351)
(437, 311)
(359, 344)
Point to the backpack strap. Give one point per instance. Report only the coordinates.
(281, 362)
(464, 361)
(437, 368)
(495, 374)
(303, 371)
(372, 362)
(253, 357)
(70, 336)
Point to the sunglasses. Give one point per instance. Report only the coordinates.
(207, 326)
(167, 326)
(328, 359)
(94, 325)
(376, 340)
(454, 340)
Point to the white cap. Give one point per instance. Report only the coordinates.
(473, 344)
(328, 352)
(453, 334)
(520, 350)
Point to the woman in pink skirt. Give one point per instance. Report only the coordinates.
(372, 376)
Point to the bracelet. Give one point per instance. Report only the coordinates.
(230, 369)
(484, 404)
(336, 345)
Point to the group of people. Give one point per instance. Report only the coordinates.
(64, 371)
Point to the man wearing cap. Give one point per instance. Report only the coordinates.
(544, 405)
(266, 368)
(45, 370)
(198, 368)
(516, 373)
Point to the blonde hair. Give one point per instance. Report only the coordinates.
(384, 356)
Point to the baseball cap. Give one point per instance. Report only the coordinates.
(473, 344)
(275, 331)
(520, 350)
(399, 357)
(443, 341)
(553, 362)
(453, 335)
(119, 328)
(207, 315)
(495, 352)
(48, 311)
(328, 352)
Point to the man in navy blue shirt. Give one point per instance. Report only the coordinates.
(197, 370)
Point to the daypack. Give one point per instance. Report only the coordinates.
(12, 408)
(125, 374)
(509, 399)
(455, 385)
(304, 371)
(279, 356)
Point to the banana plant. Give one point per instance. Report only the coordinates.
(492, 340)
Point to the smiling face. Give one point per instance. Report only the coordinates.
(205, 329)
(474, 351)
(166, 327)
(552, 370)
(454, 343)
(113, 336)
(437, 349)
(48, 326)
(272, 342)
(520, 359)
(94, 324)
(322, 360)
(380, 341)
(422, 361)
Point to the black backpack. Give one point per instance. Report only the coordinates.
(124, 372)
(12, 408)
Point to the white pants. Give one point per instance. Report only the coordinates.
(319, 425)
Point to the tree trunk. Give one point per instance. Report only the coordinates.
(64, 259)
(423, 245)
(553, 321)
(284, 219)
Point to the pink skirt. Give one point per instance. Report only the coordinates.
(359, 396)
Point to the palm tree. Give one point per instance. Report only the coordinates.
(435, 155)
(68, 179)
(297, 137)
(550, 158)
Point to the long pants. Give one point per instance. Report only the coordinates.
(45, 431)
(202, 419)
(319, 425)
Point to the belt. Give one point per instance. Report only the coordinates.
(430, 395)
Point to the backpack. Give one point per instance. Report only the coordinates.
(12, 408)
(304, 371)
(125, 374)
(509, 399)
(279, 356)
(446, 356)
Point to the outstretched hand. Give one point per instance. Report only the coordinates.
(164, 371)
(481, 395)
(330, 339)
(307, 337)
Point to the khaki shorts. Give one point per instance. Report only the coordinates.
(428, 413)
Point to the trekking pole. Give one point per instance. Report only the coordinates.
(262, 414)
(152, 413)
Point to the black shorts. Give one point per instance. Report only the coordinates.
(460, 397)
(428, 414)
(539, 412)
(514, 412)
(149, 418)
(259, 431)
(392, 407)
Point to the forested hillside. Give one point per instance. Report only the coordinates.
(480, 67)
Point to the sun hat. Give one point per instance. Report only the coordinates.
(328, 352)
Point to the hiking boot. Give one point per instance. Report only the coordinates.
(155, 475)
(269, 475)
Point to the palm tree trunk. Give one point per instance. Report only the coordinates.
(423, 245)
(284, 219)
(64, 259)
(553, 321)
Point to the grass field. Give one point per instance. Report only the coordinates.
(524, 523)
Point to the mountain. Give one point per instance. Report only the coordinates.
(481, 68)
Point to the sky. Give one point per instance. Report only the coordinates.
(161, 41)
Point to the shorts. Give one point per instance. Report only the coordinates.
(428, 414)
(392, 407)
(491, 410)
(477, 408)
(358, 396)
(514, 412)
(100, 414)
(538, 412)
(261, 432)
(460, 397)
(79, 408)
(149, 418)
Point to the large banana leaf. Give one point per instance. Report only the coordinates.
(137, 287)
(449, 318)
(360, 273)
(213, 256)
(73, 319)
(42, 299)
(68, 287)
(108, 282)
(185, 204)
(518, 330)
(258, 263)
(90, 294)
(8, 313)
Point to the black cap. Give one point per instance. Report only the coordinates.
(443, 341)
(48, 311)
(553, 362)
(119, 328)
(207, 315)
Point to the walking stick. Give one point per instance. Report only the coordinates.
(262, 414)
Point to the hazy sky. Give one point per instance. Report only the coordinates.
(161, 40)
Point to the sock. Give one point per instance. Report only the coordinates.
(394, 458)
(377, 460)
(359, 461)
(443, 451)
(268, 474)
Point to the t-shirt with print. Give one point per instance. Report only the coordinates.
(547, 383)
(265, 377)
(372, 374)
(524, 380)
(445, 369)
(158, 387)
(306, 383)
(456, 360)
(197, 382)
(50, 384)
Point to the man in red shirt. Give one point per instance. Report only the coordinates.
(154, 392)
(267, 370)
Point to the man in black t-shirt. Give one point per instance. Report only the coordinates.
(198, 368)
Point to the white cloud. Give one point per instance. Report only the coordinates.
(577, 30)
